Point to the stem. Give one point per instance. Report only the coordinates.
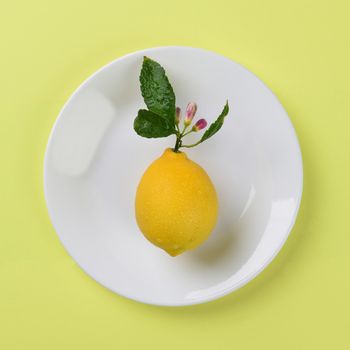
(178, 143)
(194, 144)
(188, 132)
(180, 135)
(183, 131)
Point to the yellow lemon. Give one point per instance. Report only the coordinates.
(176, 203)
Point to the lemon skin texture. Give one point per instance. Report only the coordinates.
(176, 203)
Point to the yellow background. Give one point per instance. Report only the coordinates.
(300, 48)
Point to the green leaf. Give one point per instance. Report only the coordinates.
(216, 126)
(156, 90)
(151, 125)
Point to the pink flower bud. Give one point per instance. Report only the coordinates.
(201, 124)
(190, 112)
(177, 115)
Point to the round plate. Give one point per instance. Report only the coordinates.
(94, 161)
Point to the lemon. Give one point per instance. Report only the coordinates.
(176, 203)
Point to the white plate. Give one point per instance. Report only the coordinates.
(94, 161)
